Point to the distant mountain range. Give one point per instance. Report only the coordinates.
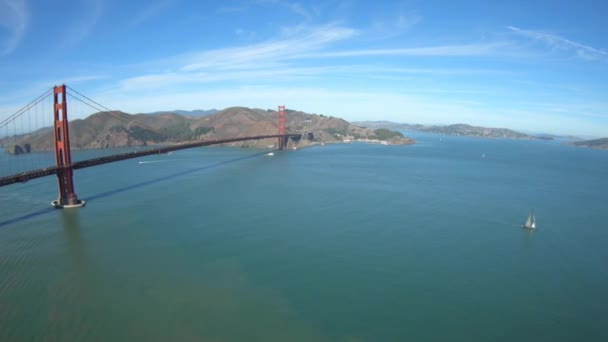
(196, 112)
(118, 129)
(457, 129)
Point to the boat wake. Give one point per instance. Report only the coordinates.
(150, 161)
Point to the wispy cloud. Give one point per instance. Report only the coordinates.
(556, 42)
(295, 56)
(232, 9)
(300, 10)
(176, 79)
(270, 60)
(463, 50)
(80, 29)
(270, 52)
(405, 21)
(152, 10)
(274, 74)
(307, 13)
(13, 18)
(393, 27)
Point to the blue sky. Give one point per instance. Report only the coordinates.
(527, 65)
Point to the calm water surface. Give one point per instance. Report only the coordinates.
(331, 243)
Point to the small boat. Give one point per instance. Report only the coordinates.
(531, 222)
(270, 154)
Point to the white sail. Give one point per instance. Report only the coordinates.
(531, 222)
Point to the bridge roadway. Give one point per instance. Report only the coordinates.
(26, 176)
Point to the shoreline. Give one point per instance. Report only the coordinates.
(290, 147)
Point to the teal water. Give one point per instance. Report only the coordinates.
(330, 243)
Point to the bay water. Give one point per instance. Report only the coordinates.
(345, 242)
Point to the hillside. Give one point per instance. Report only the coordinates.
(457, 129)
(118, 129)
(600, 144)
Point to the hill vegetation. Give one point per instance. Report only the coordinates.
(385, 134)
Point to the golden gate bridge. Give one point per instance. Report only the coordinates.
(18, 131)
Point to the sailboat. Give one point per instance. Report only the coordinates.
(531, 222)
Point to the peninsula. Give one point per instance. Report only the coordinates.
(598, 144)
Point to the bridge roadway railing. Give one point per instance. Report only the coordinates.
(25, 176)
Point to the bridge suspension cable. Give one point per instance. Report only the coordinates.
(19, 133)
(24, 110)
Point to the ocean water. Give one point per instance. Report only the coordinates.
(350, 242)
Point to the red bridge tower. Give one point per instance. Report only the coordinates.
(63, 159)
(281, 125)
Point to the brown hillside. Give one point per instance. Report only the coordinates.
(118, 129)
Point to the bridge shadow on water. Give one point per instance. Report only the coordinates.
(132, 187)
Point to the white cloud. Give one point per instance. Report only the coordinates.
(276, 58)
(274, 73)
(270, 52)
(297, 55)
(556, 42)
(463, 50)
(13, 18)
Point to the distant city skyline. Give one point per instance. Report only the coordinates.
(534, 66)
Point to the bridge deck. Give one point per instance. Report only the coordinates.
(25, 176)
